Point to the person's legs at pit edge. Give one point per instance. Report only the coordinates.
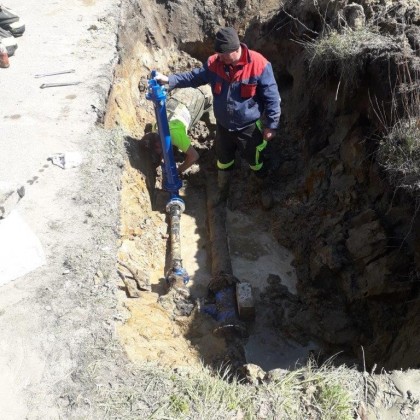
(256, 152)
(225, 145)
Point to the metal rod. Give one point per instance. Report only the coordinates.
(48, 85)
(54, 74)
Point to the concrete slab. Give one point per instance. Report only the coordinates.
(20, 249)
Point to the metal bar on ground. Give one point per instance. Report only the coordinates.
(54, 74)
(48, 85)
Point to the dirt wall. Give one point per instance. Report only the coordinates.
(354, 234)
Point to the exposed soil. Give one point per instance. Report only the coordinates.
(325, 200)
(312, 297)
(332, 265)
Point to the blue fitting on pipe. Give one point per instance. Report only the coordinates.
(210, 309)
(226, 315)
(182, 272)
(226, 305)
(176, 276)
(157, 93)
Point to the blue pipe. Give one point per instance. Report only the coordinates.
(171, 180)
(177, 275)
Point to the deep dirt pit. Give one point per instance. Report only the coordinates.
(315, 260)
(155, 331)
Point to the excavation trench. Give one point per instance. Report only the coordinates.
(165, 326)
(330, 264)
(163, 323)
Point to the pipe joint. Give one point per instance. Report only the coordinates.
(177, 275)
(175, 205)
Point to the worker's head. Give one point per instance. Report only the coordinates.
(152, 141)
(227, 45)
(155, 143)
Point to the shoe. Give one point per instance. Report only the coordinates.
(11, 22)
(7, 39)
(16, 28)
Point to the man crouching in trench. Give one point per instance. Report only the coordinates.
(185, 107)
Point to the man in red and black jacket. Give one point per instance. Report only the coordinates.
(246, 103)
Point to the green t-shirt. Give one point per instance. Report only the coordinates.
(179, 135)
(184, 108)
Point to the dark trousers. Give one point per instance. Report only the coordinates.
(250, 144)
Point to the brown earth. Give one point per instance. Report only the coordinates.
(71, 337)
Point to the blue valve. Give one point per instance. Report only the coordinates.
(157, 93)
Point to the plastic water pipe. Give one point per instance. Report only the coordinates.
(171, 181)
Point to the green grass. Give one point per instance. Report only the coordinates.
(313, 392)
(213, 395)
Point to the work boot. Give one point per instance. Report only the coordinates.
(266, 197)
(223, 184)
(262, 186)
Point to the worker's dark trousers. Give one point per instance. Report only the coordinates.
(250, 144)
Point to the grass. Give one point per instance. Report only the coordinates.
(315, 392)
(310, 392)
(343, 52)
(399, 154)
(399, 147)
(207, 395)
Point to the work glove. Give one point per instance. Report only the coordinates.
(269, 134)
(161, 78)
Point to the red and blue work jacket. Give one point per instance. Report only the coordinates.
(242, 93)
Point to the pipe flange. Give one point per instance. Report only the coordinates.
(176, 201)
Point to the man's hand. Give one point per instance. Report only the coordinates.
(269, 134)
(161, 78)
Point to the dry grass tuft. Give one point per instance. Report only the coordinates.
(344, 52)
(399, 148)
(324, 392)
